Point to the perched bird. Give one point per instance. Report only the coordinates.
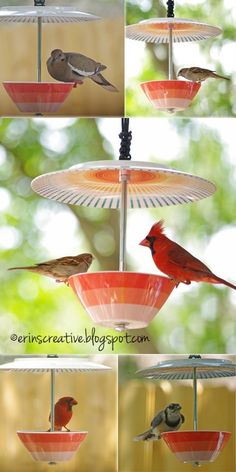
(169, 419)
(61, 269)
(174, 261)
(63, 412)
(75, 67)
(197, 74)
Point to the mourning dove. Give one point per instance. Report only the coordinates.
(197, 74)
(75, 67)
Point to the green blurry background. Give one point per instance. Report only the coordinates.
(196, 318)
(216, 97)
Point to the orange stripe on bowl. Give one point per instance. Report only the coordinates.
(115, 279)
(51, 437)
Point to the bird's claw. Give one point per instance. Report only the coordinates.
(78, 82)
(186, 282)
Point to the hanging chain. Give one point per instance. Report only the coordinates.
(170, 8)
(126, 137)
(39, 3)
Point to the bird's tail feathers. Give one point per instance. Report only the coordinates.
(22, 268)
(100, 80)
(218, 280)
(146, 436)
(217, 76)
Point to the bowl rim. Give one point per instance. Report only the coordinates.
(124, 273)
(172, 80)
(51, 432)
(31, 82)
(198, 431)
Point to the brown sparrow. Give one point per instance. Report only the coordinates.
(61, 269)
(197, 74)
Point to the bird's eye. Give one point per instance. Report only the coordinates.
(151, 239)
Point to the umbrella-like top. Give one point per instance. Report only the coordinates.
(156, 30)
(27, 14)
(57, 364)
(183, 369)
(98, 184)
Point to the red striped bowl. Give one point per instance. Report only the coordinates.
(53, 446)
(196, 446)
(122, 299)
(38, 97)
(170, 95)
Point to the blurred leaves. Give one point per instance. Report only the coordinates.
(215, 98)
(199, 318)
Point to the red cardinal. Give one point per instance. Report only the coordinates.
(174, 261)
(63, 412)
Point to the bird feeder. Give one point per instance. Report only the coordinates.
(170, 95)
(52, 446)
(121, 299)
(40, 97)
(197, 446)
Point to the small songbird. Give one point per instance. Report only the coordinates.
(169, 419)
(174, 261)
(197, 74)
(63, 412)
(75, 67)
(61, 269)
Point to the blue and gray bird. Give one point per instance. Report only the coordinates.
(169, 419)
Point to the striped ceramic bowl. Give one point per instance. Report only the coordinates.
(122, 299)
(56, 446)
(196, 446)
(38, 97)
(170, 95)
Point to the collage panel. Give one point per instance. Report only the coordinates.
(61, 193)
(84, 392)
(177, 413)
(69, 60)
(179, 58)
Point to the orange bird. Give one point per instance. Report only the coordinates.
(63, 412)
(174, 261)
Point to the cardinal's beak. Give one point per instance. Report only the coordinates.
(74, 402)
(145, 242)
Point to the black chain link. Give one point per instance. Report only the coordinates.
(194, 356)
(126, 138)
(39, 3)
(170, 8)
